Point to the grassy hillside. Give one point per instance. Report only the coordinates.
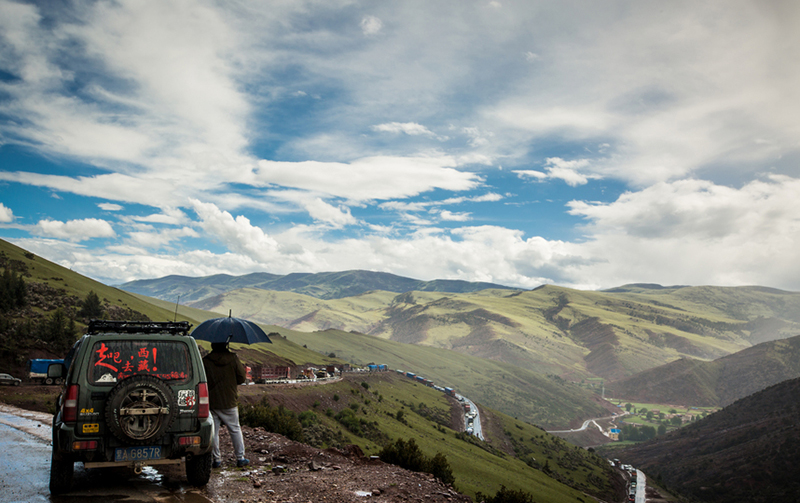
(52, 288)
(326, 285)
(516, 454)
(540, 399)
(553, 330)
(720, 382)
(747, 452)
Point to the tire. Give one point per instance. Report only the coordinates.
(140, 409)
(61, 471)
(59, 380)
(198, 469)
(17, 383)
(48, 381)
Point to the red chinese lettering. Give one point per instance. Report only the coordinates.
(102, 355)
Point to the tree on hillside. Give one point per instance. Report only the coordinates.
(58, 330)
(91, 307)
(13, 292)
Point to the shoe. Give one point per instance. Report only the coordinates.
(216, 464)
(242, 462)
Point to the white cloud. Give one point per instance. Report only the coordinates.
(328, 214)
(455, 217)
(74, 230)
(157, 239)
(409, 128)
(6, 215)
(372, 178)
(109, 206)
(560, 169)
(371, 25)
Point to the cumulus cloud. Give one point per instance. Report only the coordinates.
(75, 230)
(455, 217)
(6, 215)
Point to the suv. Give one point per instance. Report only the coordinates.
(10, 380)
(135, 394)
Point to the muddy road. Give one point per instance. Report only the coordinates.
(25, 471)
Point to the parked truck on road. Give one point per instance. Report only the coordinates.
(37, 371)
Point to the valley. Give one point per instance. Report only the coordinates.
(531, 362)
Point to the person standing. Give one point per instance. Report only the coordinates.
(225, 373)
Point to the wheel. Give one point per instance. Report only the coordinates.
(140, 409)
(61, 471)
(198, 469)
(48, 381)
(59, 380)
(17, 383)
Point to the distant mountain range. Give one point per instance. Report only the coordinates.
(574, 334)
(718, 382)
(747, 452)
(325, 285)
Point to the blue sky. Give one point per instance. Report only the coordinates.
(585, 144)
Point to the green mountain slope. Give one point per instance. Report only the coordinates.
(720, 382)
(326, 285)
(516, 455)
(747, 452)
(571, 333)
(536, 398)
(52, 288)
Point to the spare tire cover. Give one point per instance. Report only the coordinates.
(140, 409)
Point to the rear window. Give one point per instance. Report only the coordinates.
(115, 360)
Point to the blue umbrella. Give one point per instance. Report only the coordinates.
(230, 330)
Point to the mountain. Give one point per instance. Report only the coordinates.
(326, 285)
(719, 382)
(553, 330)
(747, 452)
(50, 320)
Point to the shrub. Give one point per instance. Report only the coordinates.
(407, 455)
(506, 496)
(277, 420)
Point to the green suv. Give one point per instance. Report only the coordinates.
(135, 394)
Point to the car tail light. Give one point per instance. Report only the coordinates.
(202, 394)
(70, 410)
(84, 445)
(189, 441)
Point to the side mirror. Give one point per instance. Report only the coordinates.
(56, 370)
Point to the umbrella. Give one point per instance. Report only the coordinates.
(230, 330)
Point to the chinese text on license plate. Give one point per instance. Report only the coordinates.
(143, 453)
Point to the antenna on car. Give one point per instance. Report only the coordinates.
(176, 307)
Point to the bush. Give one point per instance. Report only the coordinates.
(407, 455)
(277, 420)
(506, 496)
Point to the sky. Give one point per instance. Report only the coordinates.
(579, 143)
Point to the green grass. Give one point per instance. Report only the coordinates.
(478, 467)
(543, 400)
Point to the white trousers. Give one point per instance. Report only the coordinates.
(230, 418)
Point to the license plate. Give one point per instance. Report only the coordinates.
(143, 453)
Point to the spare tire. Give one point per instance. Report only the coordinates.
(140, 409)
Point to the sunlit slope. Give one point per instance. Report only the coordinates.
(572, 333)
(65, 282)
(533, 397)
(720, 382)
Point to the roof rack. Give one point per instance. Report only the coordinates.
(139, 327)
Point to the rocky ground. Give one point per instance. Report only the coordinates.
(282, 470)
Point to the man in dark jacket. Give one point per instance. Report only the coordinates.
(225, 373)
